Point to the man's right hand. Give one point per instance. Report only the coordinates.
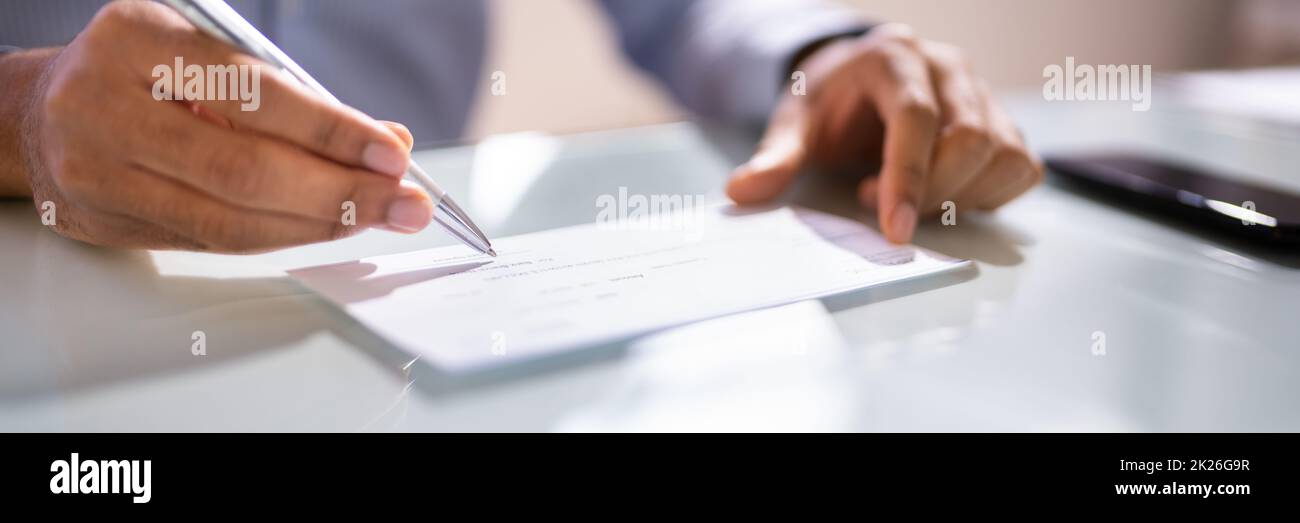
(126, 170)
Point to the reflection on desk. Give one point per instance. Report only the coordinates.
(1200, 336)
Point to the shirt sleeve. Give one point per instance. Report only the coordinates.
(725, 59)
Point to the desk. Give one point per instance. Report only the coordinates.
(1200, 335)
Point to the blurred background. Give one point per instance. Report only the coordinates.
(564, 74)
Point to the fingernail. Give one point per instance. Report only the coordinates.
(903, 222)
(384, 158)
(409, 213)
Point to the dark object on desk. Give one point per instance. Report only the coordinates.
(1242, 209)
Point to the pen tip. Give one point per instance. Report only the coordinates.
(492, 252)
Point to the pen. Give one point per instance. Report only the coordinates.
(219, 20)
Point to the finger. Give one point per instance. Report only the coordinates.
(254, 95)
(268, 175)
(213, 224)
(778, 159)
(965, 143)
(1011, 172)
(901, 89)
(402, 133)
(1009, 175)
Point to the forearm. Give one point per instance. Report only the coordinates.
(20, 75)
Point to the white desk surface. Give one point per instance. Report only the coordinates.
(1200, 335)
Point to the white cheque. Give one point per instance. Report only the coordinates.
(590, 284)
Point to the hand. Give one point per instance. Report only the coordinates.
(127, 170)
(909, 105)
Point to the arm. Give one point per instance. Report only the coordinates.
(725, 59)
(93, 129)
(20, 72)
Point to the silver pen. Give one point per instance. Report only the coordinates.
(219, 20)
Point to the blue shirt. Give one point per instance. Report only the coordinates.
(420, 61)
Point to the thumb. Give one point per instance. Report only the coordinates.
(778, 159)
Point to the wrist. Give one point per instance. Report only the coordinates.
(797, 62)
(21, 78)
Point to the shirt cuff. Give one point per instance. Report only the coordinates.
(768, 74)
(745, 73)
